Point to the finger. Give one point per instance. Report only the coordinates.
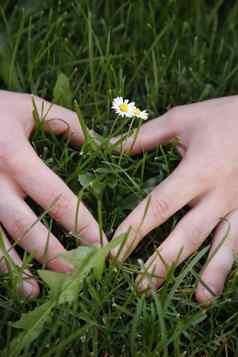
(183, 241)
(47, 189)
(63, 121)
(28, 286)
(166, 199)
(58, 119)
(157, 131)
(22, 225)
(220, 260)
(181, 149)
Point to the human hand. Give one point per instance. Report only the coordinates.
(206, 179)
(22, 173)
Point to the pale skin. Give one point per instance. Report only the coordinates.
(206, 179)
(23, 173)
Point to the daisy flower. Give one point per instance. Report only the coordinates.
(123, 107)
(142, 114)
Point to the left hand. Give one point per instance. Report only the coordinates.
(23, 174)
(206, 179)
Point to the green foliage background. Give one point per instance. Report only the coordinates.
(160, 53)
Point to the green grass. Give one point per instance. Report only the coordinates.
(160, 53)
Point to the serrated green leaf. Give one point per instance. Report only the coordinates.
(32, 323)
(33, 319)
(66, 286)
(88, 258)
(77, 256)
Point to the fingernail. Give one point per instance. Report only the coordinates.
(94, 238)
(66, 268)
(118, 254)
(114, 252)
(99, 242)
(115, 140)
(208, 296)
(142, 284)
(29, 288)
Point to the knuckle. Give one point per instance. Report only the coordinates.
(194, 232)
(60, 208)
(85, 227)
(160, 208)
(195, 237)
(11, 140)
(224, 267)
(7, 151)
(18, 227)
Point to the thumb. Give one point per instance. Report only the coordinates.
(155, 132)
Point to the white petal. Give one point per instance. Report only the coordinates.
(117, 101)
(122, 114)
(144, 115)
(131, 105)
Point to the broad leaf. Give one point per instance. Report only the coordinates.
(64, 288)
(102, 254)
(54, 280)
(32, 323)
(33, 320)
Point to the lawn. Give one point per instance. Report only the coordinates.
(161, 54)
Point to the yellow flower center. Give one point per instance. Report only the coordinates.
(123, 107)
(136, 112)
